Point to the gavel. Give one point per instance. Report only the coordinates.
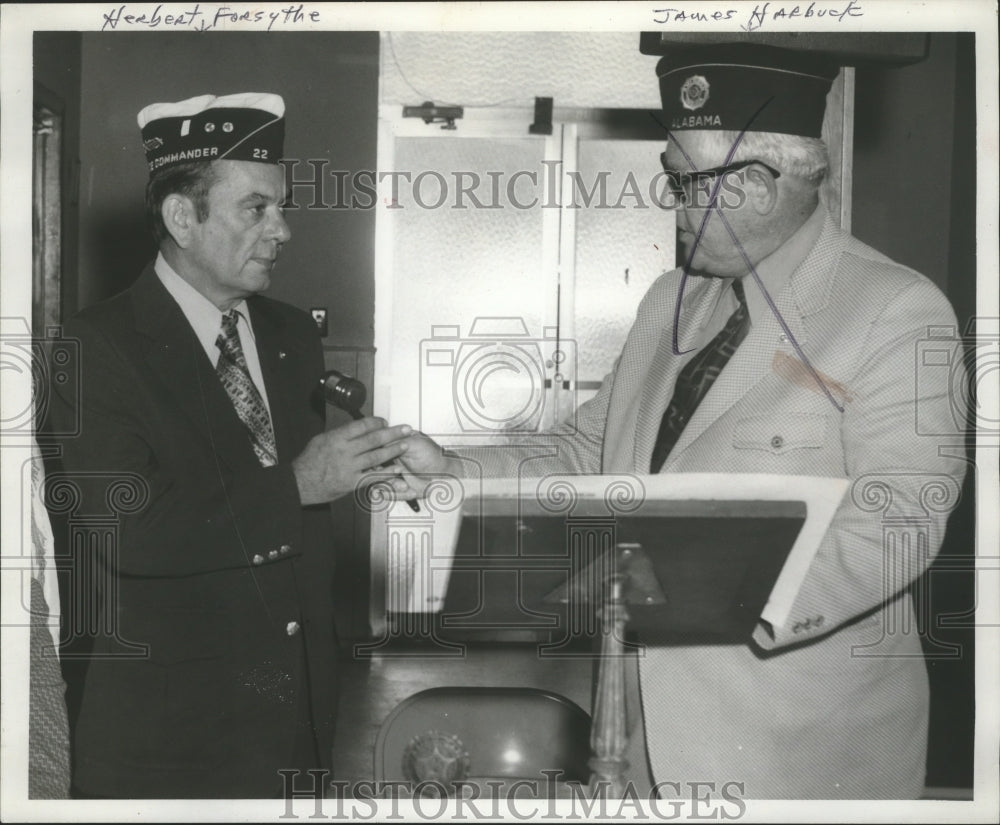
(349, 394)
(344, 392)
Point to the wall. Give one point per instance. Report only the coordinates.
(329, 81)
(903, 142)
(914, 200)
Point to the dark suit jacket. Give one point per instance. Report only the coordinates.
(214, 564)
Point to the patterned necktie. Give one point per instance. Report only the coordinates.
(235, 377)
(697, 378)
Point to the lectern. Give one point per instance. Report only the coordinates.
(681, 559)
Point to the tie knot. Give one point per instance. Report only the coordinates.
(228, 340)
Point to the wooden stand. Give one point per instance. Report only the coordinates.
(631, 580)
(608, 733)
(693, 570)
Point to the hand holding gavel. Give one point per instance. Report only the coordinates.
(349, 395)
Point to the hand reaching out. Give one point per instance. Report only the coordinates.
(422, 462)
(336, 462)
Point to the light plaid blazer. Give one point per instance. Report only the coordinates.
(834, 704)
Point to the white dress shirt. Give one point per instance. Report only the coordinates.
(205, 319)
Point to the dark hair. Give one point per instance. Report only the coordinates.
(192, 179)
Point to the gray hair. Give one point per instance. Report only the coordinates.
(790, 154)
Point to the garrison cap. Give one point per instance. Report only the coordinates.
(745, 87)
(248, 126)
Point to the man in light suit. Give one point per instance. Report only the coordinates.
(200, 426)
(783, 346)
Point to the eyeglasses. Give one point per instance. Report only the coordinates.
(681, 183)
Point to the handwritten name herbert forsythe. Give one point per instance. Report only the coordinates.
(194, 18)
(762, 14)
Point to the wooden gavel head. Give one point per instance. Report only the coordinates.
(344, 392)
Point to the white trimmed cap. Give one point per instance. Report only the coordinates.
(264, 101)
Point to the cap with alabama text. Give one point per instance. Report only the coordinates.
(248, 126)
(745, 87)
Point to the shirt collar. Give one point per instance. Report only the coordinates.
(776, 270)
(204, 317)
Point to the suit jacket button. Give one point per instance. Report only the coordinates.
(272, 554)
(285, 548)
(292, 628)
(777, 442)
(258, 559)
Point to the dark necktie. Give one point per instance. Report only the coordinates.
(697, 377)
(235, 377)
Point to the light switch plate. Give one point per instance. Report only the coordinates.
(319, 316)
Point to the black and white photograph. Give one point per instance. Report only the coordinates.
(500, 412)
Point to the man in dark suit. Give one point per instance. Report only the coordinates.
(199, 399)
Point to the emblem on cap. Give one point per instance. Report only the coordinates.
(694, 92)
(245, 127)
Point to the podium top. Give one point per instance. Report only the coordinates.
(724, 550)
